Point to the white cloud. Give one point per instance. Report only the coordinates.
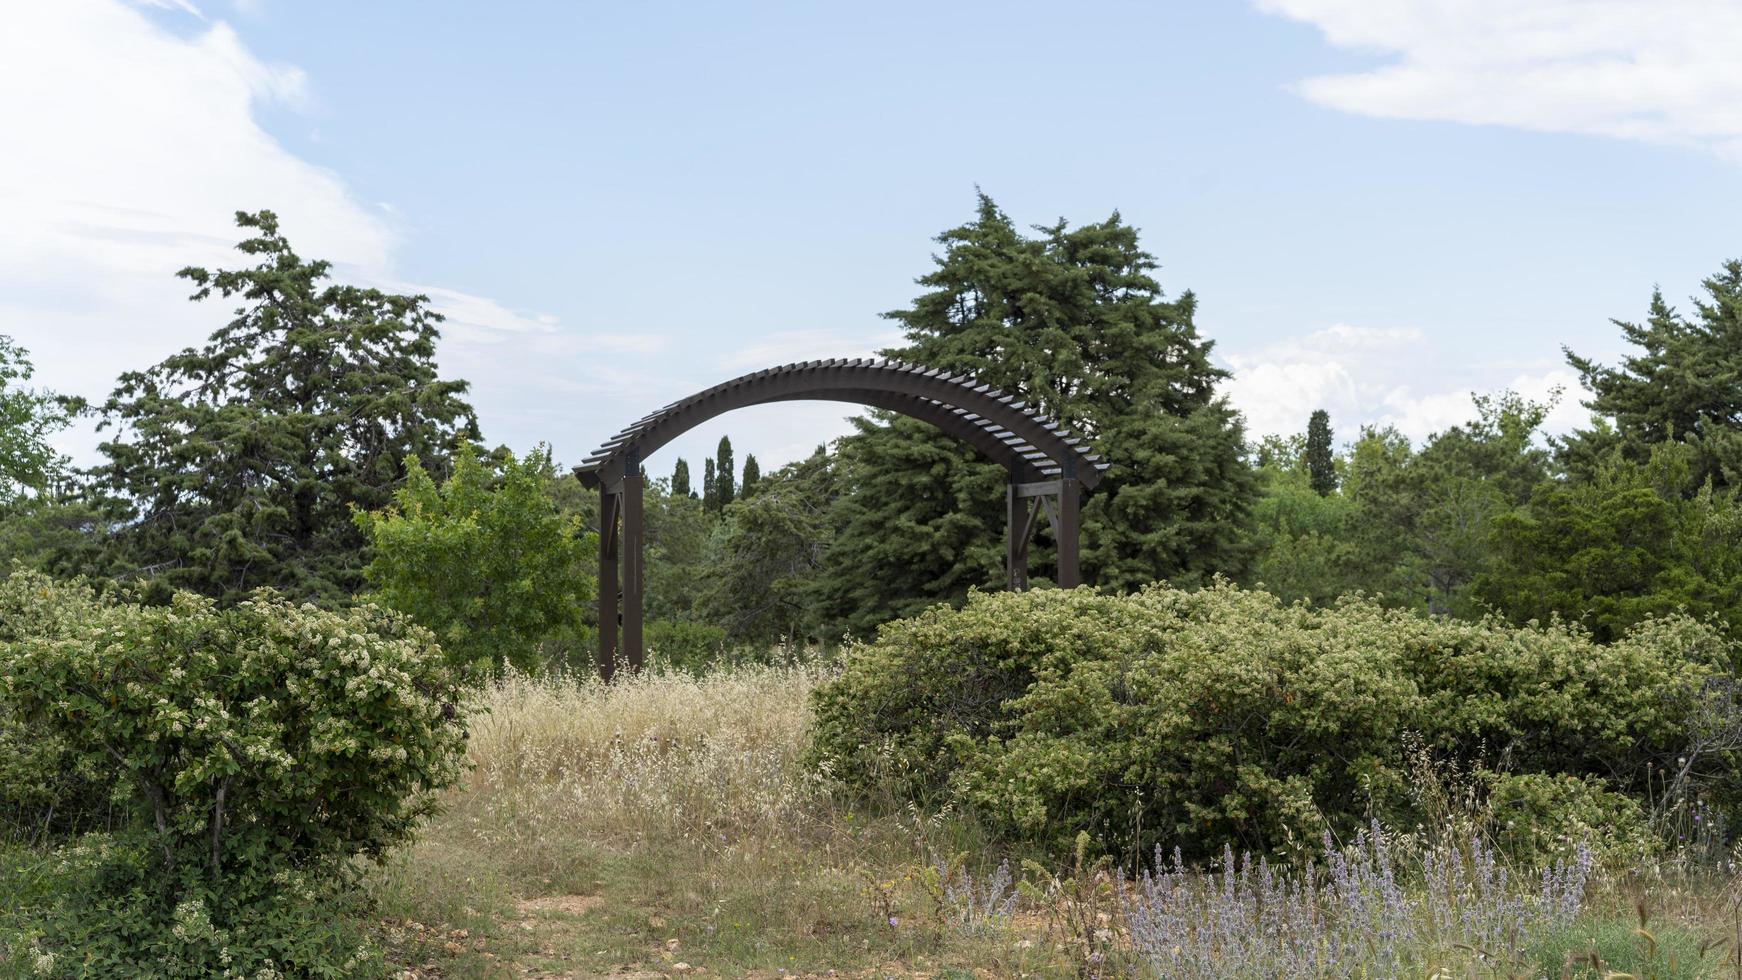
(1661, 71)
(182, 5)
(1368, 376)
(124, 153)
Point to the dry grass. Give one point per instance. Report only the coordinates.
(667, 826)
(655, 758)
(666, 820)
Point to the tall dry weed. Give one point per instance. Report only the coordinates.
(673, 757)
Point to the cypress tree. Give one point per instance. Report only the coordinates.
(1321, 465)
(1072, 322)
(710, 486)
(723, 474)
(752, 476)
(680, 478)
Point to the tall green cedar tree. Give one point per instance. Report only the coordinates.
(752, 476)
(1684, 384)
(243, 460)
(724, 472)
(1320, 458)
(680, 478)
(1072, 322)
(710, 487)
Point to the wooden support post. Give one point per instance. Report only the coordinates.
(634, 576)
(1067, 530)
(609, 512)
(1016, 516)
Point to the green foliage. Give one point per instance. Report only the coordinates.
(1613, 949)
(763, 560)
(684, 644)
(710, 498)
(1072, 322)
(257, 750)
(1683, 385)
(1538, 817)
(1413, 527)
(61, 535)
(680, 478)
(28, 464)
(47, 788)
(1194, 718)
(485, 560)
(1303, 537)
(1320, 456)
(678, 532)
(724, 492)
(1621, 545)
(1422, 522)
(241, 460)
(752, 475)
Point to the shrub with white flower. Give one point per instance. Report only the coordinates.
(259, 748)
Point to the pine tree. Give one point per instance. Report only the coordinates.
(242, 461)
(1684, 384)
(752, 476)
(680, 478)
(723, 474)
(1321, 464)
(710, 487)
(1072, 322)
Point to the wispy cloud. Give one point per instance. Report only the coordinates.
(124, 152)
(1378, 376)
(1661, 71)
(182, 5)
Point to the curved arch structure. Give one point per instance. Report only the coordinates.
(1049, 467)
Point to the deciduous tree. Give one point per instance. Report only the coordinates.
(484, 560)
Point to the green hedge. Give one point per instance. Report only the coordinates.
(1194, 718)
(251, 754)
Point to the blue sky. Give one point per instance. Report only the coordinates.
(1381, 206)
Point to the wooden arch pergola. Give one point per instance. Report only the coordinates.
(1049, 468)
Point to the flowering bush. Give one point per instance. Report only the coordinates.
(256, 750)
(1194, 718)
(45, 786)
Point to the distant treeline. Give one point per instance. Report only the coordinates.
(243, 463)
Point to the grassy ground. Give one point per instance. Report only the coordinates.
(667, 826)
